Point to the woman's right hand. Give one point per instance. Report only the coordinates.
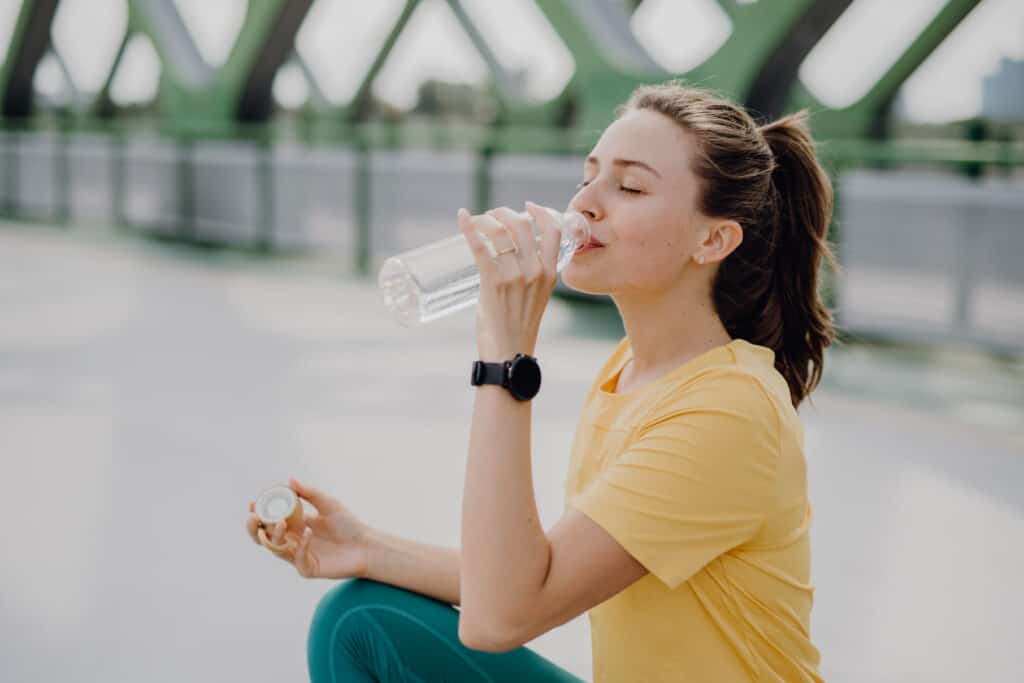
(329, 545)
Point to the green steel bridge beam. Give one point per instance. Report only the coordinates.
(29, 42)
(865, 118)
(767, 93)
(758, 62)
(507, 91)
(610, 62)
(359, 106)
(103, 106)
(264, 52)
(757, 65)
(74, 94)
(198, 100)
(317, 97)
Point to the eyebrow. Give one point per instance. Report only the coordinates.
(624, 162)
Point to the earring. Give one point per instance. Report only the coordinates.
(700, 259)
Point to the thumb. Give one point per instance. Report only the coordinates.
(324, 503)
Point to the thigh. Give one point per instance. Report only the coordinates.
(365, 631)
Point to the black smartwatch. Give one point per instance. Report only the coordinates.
(521, 376)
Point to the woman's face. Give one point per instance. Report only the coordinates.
(640, 197)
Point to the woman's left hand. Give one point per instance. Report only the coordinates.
(516, 284)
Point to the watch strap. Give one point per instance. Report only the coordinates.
(489, 373)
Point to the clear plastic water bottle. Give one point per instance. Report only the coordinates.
(432, 281)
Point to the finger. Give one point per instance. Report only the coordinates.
(314, 522)
(526, 240)
(279, 529)
(279, 550)
(550, 238)
(499, 230)
(251, 525)
(302, 558)
(483, 256)
(506, 265)
(520, 226)
(324, 503)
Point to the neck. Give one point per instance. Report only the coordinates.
(668, 328)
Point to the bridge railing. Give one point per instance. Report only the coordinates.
(930, 250)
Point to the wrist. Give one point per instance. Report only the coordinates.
(373, 540)
(497, 348)
(500, 354)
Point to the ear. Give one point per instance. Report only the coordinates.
(723, 238)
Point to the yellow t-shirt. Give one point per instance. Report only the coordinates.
(700, 475)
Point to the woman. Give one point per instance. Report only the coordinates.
(685, 533)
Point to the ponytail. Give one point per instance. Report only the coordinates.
(801, 208)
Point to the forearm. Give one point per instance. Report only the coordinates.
(505, 552)
(430, 570)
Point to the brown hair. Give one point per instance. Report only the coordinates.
(768, 179)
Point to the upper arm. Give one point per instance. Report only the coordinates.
(695, 484)
(587, 567)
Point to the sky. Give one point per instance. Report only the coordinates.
(339, 39)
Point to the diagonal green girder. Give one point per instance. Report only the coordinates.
(29, 42)
(779, 69)
(199, 100)
(358, 107)
(760, 30)
(610, 63)
(862, 118)
(756, 65)
(262, 52)
(512, 103)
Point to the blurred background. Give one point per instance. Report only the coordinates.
(195, 197)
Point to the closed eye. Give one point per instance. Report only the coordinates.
(631, 190)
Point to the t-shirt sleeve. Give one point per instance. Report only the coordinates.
(696, 482)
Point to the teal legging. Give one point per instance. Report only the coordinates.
(369, 632)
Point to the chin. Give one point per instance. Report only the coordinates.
(580, 283)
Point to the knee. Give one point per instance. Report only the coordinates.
(347, 595)
(340, 621)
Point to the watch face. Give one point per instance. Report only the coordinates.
(524, 377)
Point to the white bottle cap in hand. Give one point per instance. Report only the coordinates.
(276, 503)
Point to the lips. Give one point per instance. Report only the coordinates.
(589, 245)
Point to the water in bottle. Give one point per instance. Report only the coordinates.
(432, 281)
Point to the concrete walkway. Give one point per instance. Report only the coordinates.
(147, 392)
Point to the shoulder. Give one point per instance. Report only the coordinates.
(721, 429)
(724, 406)
(726, 389)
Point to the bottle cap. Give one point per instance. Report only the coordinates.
(276, 503)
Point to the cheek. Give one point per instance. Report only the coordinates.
(641, 258)
(653, 256)
(650, 263)
(634, 266)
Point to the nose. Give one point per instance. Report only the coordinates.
(585, 203)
